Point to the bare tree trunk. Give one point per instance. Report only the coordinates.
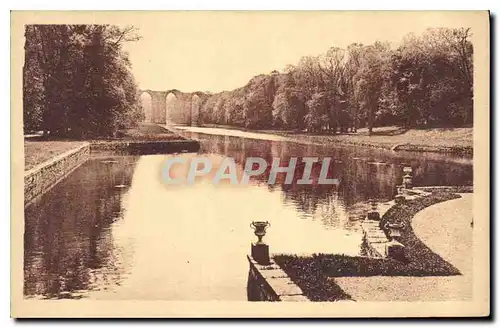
(370, 120)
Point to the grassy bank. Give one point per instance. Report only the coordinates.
(447, 189)
(36, 152)
(149, 132)
(453, 140)
(38, 149)
(313, 273)
(439, 140)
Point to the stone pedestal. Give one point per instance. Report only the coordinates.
(399, 199)
(396, 250)
(260, 253)
(407, 182)
(373, 216)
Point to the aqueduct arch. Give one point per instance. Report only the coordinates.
(172, 106)
(195, 110)
(147, 103)
(171, 110)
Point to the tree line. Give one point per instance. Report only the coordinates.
(427, 81)
(77, 80)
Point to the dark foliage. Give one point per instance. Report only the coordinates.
(311, 278)
(77, 82)
(425, 82)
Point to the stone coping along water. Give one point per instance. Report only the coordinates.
(44, 176)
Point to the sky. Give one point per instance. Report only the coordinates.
(216, 51)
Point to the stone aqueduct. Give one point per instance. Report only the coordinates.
(172, 106)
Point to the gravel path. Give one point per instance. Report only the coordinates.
(445, 228)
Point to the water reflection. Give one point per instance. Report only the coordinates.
(364, 173)
(68, 240)
(113, 230)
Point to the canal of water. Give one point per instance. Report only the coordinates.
(113, 229)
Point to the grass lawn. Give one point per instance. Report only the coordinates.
(312, 273)
(459, 140)
(148, 131)
(36, 152)
(388, 137)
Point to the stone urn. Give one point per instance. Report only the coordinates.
(259, 228)
(394, 229)
(373, 214)
(259, 250)
(407, 177)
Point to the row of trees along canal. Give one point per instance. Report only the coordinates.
(77, 83)
(77, 80)
(426, 81)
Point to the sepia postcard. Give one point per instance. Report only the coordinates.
(250, 164)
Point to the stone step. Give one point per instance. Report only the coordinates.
(294, 298)
(275, 273)
(284, 286)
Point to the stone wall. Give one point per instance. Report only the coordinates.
(43, 176)
(145, 147)
(269, 283)
(374, 240)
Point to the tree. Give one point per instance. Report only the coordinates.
(352, 65)
(77, 80)
(368, 81)
(288, 105)
(432, 77)
(426, 81)
(33, 86)
(332, 68)
(316, 114)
